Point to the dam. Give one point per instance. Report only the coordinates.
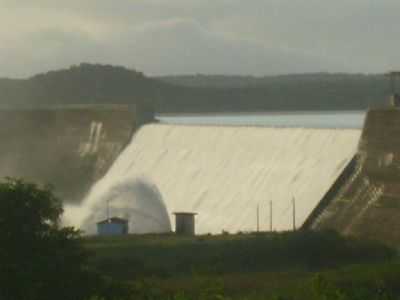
(345, 179)
(368, 203)
(223, 173)
(68, 147)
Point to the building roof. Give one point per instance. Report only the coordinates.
(185, 213)
(114, 220)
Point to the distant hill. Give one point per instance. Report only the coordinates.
(83, 84)
(238, 81)
(104, 84)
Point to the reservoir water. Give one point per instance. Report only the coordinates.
(304, 119)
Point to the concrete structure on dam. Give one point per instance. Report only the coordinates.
(221, 172)
(69, 147)
(368, 203)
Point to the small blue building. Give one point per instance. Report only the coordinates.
(113, 226)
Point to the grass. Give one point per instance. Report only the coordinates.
(245, 266)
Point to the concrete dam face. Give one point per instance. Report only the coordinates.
(69, 148)
(223, 173)
(368, 204)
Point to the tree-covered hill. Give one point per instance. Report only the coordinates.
(243, 81)
(83, 84)
(105, 84)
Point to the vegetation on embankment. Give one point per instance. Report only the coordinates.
(300, 265)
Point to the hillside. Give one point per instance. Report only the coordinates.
(83, 84)
(243, 81)
(104, 84)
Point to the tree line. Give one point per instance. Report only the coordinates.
(90, 84)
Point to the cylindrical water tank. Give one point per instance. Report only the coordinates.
(184, 223)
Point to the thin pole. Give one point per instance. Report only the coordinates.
(258, 217)
(392, 85)
(270, 216)
(108, 209)
(294, 214)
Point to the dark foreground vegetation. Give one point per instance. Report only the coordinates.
(40, 260)
(299, 265)
(100, 84)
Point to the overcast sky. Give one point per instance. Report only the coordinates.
(158, 37)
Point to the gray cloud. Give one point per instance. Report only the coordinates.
(201, 36)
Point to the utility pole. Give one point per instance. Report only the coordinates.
(270, 216)
(294, 213)
(108, 209)
(258, 217)
(392, 84)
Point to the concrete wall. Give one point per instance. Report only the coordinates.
(222, 173)
(368, 203)
(69, 147)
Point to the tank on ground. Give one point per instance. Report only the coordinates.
(185, 223)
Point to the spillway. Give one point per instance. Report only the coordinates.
(220, 172)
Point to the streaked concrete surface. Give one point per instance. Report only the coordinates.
(220, 172)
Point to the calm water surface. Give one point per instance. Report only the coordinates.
(319, 119)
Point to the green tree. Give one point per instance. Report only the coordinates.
(38, 258)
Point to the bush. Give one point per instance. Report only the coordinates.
(39, 260)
